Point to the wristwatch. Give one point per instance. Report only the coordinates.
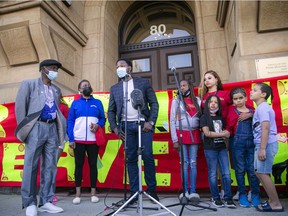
(151, 123)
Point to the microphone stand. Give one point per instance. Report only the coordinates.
(125, 141)
(124, 202)
(140, 191)
(184, 200)
(119, 203)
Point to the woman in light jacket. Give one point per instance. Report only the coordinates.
(184, 120)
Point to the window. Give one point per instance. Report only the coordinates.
(141, 65)
(180, 60)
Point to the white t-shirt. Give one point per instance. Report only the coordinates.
(132, 114)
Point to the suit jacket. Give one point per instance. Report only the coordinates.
(116, 102)
(29, 103)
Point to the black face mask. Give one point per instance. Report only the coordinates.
(87, 91)
(185, 94)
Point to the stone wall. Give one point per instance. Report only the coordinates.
(33, 31)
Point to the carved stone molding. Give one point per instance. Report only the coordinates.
(51, 9)
(272, 16)
(222, 10)
(65, 52)
(159, 44)
(17, 44)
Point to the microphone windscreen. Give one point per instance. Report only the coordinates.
(137, 99)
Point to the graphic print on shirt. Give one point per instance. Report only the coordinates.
(218, 129)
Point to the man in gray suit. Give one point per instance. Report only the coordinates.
(42, 127)
(117, 117)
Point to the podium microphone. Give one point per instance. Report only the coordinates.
(173, 69)
(137, 99)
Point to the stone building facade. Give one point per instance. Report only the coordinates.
(87, 37)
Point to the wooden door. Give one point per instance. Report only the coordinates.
(155, 65)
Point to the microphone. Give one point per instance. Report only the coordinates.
(173, 69)
(137, 99)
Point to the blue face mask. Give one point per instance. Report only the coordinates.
(121, 72)
(52, 75)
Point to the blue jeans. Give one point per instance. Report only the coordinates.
(244, 157)
(132, 157)
(190, 157)
(214, 157)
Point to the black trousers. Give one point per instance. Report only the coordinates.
(79, 155)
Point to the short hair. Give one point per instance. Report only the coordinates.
(84, 80)
(129, 63)
(266, 89)
(237, 90)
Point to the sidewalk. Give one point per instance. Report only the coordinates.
(10, 205)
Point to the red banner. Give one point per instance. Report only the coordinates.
(111, 159)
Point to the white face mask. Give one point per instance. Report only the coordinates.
(121, 72)
(214, 111)
(52, 75)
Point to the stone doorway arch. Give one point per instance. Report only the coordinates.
(158, 36)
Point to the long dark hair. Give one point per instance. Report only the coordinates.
(192, 96)
(206, 111)
(203, 89)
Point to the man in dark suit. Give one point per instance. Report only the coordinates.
(42, 127)
(117, 117)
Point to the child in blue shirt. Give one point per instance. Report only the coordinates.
(266, 145)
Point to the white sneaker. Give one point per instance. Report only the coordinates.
(94, 199)
(50, 208)
(194, 198)
(186, 195)
(76, 200)
(31, 210)
(236, 196)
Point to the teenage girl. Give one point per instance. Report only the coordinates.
(211, 84)
(184, 118)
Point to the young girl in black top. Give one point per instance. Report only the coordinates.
(216, 151)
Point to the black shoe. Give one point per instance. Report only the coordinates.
(229, 203)
(72, 191)
(133, 201)
(154, 195)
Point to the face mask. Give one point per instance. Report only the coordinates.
(52, 75)
(187, 93)
(87, 91)
(214, 111)
(121, 72)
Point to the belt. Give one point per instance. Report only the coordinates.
(133, 122)
(49, 121)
